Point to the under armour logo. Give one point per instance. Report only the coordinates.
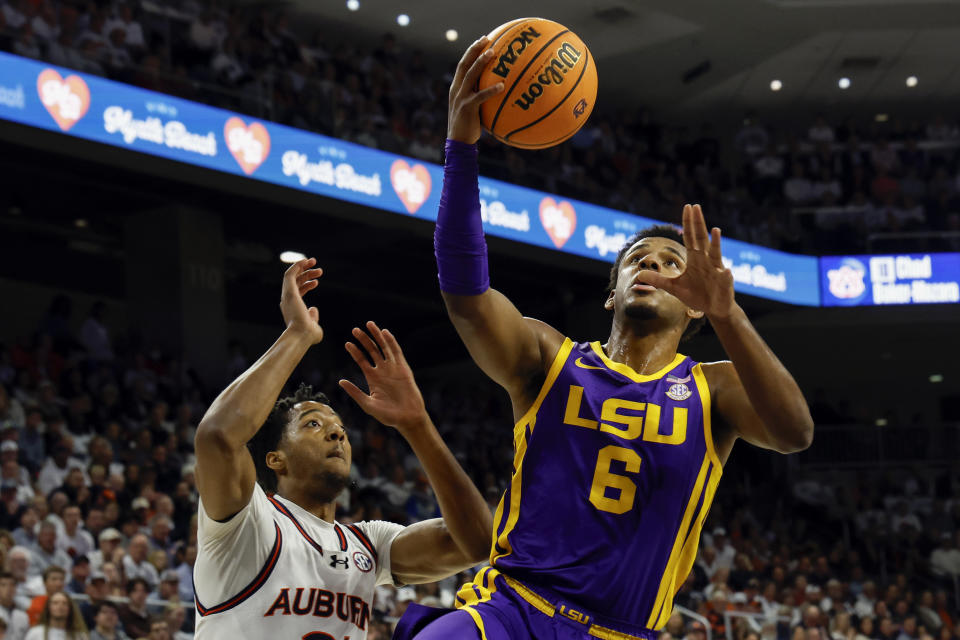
(335, 562)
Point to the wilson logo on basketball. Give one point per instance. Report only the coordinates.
(249, 144)
(580, 108)
(412, 184)
(558, 219)
(564, 60)
(67, 99)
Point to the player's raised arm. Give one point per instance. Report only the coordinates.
(437, 548)
(507, 346)
(754, 394)
(225, 471)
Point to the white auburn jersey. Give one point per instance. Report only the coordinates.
(275, 571)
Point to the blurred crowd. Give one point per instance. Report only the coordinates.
(820, 187)
(98, 502)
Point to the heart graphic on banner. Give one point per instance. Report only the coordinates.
(67, 99)
(558, 220)
(412, 184)
(249, 145)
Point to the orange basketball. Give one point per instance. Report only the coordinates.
(549, 79)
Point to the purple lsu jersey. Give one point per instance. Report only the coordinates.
(613, 475)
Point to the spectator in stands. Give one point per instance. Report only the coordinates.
(168, 589)
(176, 615)
(97, 592)
(866, 629)
(115, 586)
(945, 560)
(927, 613)
(93, 333)
(136, 563)
(106, 624)
(56, 468)
(27, 44)
(133, 614)
(798, 190)
(54, 579)
(841, 627)
(11, 411)
(820, 131)
(59, 613)
(79, 575)
(185, 573)
(45, 553)
(159, 630)
(74, 539)
(16, 619)
(725, 551)
(109, 541)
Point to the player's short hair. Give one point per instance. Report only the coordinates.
(268, 438)
(655, 231)
(105, 604)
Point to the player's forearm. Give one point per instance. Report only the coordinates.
(465, 512)
(772, 391)
(458, 240)
(242, 408)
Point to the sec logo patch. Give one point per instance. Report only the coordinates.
(363, 561)
(679, 391)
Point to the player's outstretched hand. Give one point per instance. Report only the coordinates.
(300, 278)
(463, 117)
(705, 284)
(394, 398)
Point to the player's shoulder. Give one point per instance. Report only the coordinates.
(719, 373)
(549, 339)
(374, 535)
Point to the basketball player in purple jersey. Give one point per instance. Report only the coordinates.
(619, 446)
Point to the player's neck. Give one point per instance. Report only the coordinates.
(644, 349)
(323, 509)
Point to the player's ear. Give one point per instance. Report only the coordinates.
(693, 314)
(277, 461)
(608, 304)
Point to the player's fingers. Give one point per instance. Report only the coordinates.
(653, 278)
(368, 344)
(716, 256)
(469, 56)
(485, 94)
(294, 270)
(377, 334)
(308, 286)
(473, 74)
(700, 227)
(358, 357)
(310, 274)
(391, 344)
(689, 239)
(355, 392)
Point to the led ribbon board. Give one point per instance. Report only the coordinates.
(93, 108)
(915, 278)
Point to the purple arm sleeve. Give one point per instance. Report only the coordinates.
(458, 241)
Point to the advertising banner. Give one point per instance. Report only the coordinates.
(915, 278)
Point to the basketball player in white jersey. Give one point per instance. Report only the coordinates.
(279, 566)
